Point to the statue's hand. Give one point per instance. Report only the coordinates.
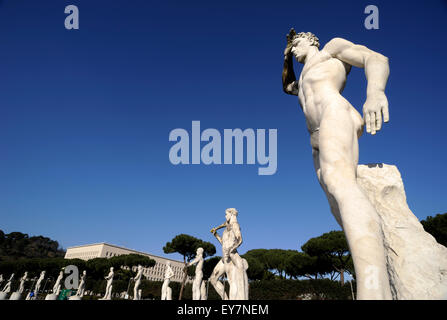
(375, 107)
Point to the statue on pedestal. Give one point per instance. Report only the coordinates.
(372, 221)
(57, 284)
(33, 294)
(22, 282)
(109, 278)
(166, 292)
(335, 126)
(18, 294)
(231, 264)
(197, 283)
(7, 288)
(81, 287)
(137, 279)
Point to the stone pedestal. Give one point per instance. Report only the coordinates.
(416, 263)
(74, 298)
(15, 296)
(3, 295)
(51, 296)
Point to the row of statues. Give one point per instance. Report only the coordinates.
(35, 289)
(232, 266)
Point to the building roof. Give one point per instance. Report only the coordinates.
(123, 248)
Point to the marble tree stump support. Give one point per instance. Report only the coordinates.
(416, 263)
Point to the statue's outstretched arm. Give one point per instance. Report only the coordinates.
(377, 71)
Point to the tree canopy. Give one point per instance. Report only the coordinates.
(17, 245)
(437, 227)
(187, 246)
(331, 252)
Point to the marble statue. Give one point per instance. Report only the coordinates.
(197, 283)
(1, 279)
(137, 279)
(7, 288)
(334, 126)
(166, 292)
(56, 287)
(109, 278)
(231, 264)
(33, 294)
(22, 282)
(57, 284)
(416, 263)
(81, 287)
(17, 295)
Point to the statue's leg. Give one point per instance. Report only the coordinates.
(196, 288)
(338, 156)
(163, 290)
(203, 291)
(238, 277)
(218, 271)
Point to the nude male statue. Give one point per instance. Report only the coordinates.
(335, 126)
(197, 283)
(22, 282)
(137, 279)
(81, 287)
(109, 278)
(38, 284)
(231, 264)
(7, 287)
(57, 284)
(166, 292)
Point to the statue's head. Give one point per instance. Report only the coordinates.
(84, 273)
(199, 251)
(229, 213)
(140, 267)
(111, 268)
(301, 44)
(168, 264)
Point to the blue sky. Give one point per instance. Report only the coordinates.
(85, 116)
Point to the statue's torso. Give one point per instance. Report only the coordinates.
(229, 240)
(321, 81)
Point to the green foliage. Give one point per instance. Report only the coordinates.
(286, 289)
(187, 246)
(437, 227)
(266, 262)
(300, 264)
(16, 245)
(331, 252)
(208, 266)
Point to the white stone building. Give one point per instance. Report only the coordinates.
(105, 250)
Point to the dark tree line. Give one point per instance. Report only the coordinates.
(437, 227)
(16, 245)
(326, 255)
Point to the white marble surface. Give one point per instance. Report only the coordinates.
(416, 263)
